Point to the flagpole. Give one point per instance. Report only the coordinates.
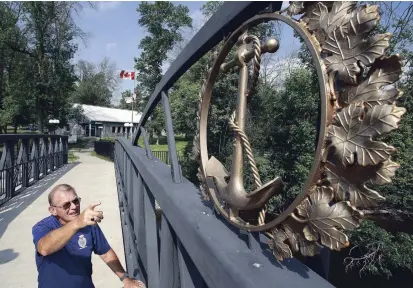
(133, 91)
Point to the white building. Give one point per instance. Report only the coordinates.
(108, 122)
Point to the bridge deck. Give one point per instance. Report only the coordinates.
(94, 180)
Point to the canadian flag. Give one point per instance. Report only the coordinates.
(127, 75)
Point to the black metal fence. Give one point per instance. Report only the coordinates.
(107, 148)
(165, 157)
(24, 159)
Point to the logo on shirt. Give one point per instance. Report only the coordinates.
(82, 241)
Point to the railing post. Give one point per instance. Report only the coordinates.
(34, 157)
(65, 149)
(24, 159)
(146, 143)
(169, 269)
(7, 163)
(43, 154)
(52, 153)
(151, 238)
(59, 155)
(175, 169)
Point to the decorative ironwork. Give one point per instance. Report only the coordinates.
(25, 159)
(357, 105)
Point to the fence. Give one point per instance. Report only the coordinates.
(25, 159)
(106, 148)
(181, 242)
(165, 157)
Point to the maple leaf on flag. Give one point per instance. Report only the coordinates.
(127, 75)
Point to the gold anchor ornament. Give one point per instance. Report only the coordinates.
(347, 54)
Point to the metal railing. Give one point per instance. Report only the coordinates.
(183, 243)
(172, 238)
(24, 159)
(106, 148)
(165, 157)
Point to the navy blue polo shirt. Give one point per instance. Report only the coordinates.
(71, 266)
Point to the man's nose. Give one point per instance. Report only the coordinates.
(72, 206)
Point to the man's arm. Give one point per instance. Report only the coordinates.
(112, 260)
(58, 238)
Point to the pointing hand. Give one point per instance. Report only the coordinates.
(89, 216)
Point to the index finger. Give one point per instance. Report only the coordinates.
(92, 206)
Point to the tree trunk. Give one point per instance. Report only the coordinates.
(15, 128)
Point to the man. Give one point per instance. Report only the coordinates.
(64, 242)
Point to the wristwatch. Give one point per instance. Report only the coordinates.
(124, 276)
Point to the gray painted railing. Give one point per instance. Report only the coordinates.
(171, 237)
(165, 157)
(27, 158)
(185, 244)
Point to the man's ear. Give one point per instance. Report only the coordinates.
(52, 210)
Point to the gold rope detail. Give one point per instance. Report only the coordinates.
(248, 151)
(256, 61)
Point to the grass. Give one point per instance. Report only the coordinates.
(94, 154)
(180, 145)
(71, 157)
(81, 143)
(180, 142)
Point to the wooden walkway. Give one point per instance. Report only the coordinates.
(94, 180)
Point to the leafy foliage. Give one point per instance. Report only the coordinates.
(37, 77)
(96, 83)
(163, 21)
(122, 103)
(378, 252)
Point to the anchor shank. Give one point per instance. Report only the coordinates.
(238, 159)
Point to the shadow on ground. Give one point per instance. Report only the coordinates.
(7, 255)
(12, 208)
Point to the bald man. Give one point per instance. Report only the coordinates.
(65, 240)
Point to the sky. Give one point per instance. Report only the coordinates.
(114, 32)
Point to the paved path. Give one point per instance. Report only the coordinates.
(94, 179)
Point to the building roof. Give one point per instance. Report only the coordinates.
(106, 114)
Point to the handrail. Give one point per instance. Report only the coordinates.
(191, 237)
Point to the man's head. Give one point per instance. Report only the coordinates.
(64, 203)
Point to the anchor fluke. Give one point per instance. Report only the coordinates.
(235, 195)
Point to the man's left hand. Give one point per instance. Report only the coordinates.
(131, 283)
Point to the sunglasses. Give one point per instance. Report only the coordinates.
(66, 205)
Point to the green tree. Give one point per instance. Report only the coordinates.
(122, 103)
(50, 31)
(163, 22)
(16, 81)
(96, 83)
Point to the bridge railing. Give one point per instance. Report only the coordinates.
(173, 239)
(24, 159)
